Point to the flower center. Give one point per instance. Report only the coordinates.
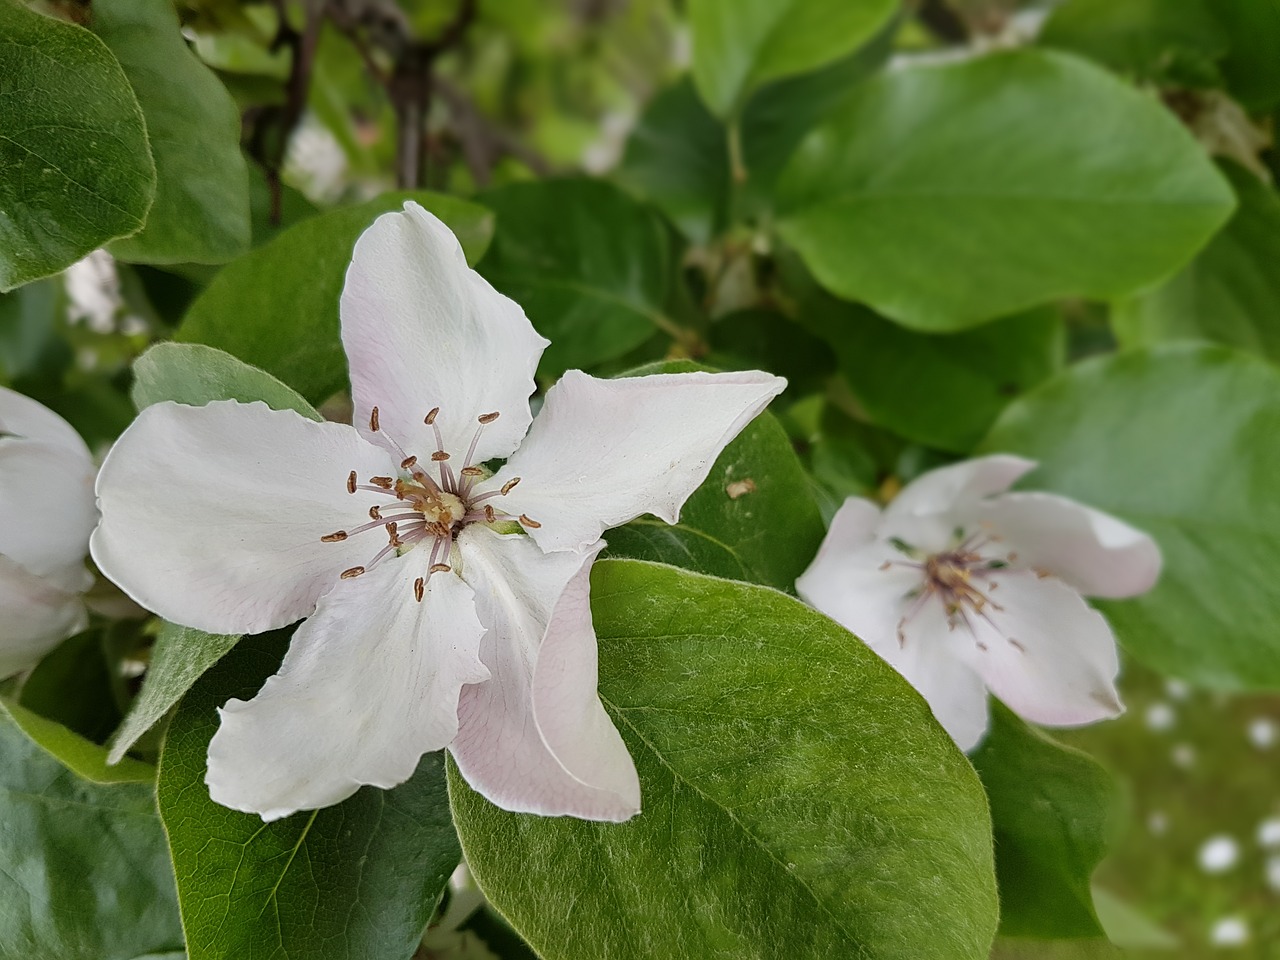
(961, 579)
(422, 506)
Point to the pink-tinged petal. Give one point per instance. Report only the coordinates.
(602, 452)
(370, 683)
(37, 613)
(1044, 652)
(47, 509)
(928, 511)
(1092, 551)
(23, 417)
(213, 516)
(501, 749)
(423, 330)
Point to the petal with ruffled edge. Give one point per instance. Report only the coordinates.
(602, 452)
(23, 417)
(37, 613)
(370, 683)
(1048, 655)
(212, 516)
(535, 739)
(423, 330)
(47, 509)
(1093, 551)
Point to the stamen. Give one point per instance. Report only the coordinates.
(526, 521)
(488, 512)
(352, 573)
(430, 418)
(408, 462)
(440, 568)
(509, 486)
(419, 586)
(391, 534)
(472, 471)
(439, 455)
(375, 513)
(335, 537)
(373, 420)
(351, 482)
(386, 483)
(488, 418)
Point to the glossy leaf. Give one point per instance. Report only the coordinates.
(277, 307)
(86, 873)
(1182, 441)
(925, 197)
(86, 759)
(201, 209)
(356, 881)
(590, 266)
(799, 799)
(1230, 293)
(194, 374)
(75, 167)
(739, 45)
(1054, 812)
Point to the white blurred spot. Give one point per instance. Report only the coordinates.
(1269, 832)
(1262, 733)
(1219, 854)
(1229, 932)
(1273, 873)
(1158, 823)
(1177, 689)
(1160, 717)
(93, 292)
(315, 161)
(1183, 755)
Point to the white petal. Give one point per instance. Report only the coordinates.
(955, 694)
(212, 516)
(929, 509)
(24, 417)
(35, 616)
(46, 504)
(602, 452)
(370, 683)
(1046, 654)
(1093, 551)
(424, 330)
(525, 597)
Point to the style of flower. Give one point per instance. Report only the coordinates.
(964, 587)
(446, 607)
(46, 515)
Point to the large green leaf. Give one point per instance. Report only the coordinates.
(943, 390)
(739, 45)
(1054, 812)
(201, 209)
(1251, 67)
(356, 881)
(1230, 293)
(799, 799)
(1182, 441)
(926, 196)
(277, 307)
(194, 374)
(590, 265)
(75, 168)
(85, 873)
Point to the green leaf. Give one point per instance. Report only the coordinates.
(86, 759)
(943, 390)
(194, 374)
(201, 209)
(1230, 293)
(277, 307)
(75, 168)
(356, 881)
(1054, 811)
(589, 264)
(739, 45)
(799, 799)
(179, 658)
(28, 318)
(925, 197)
(73, 685)
(755, 339)
(86, 873)
(1182, 441)
(1251, 67)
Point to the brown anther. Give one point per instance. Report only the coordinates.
(373, 419)
(439, 455)
(488, 513)
(528, 522)
(472, 471)
(419, 586)
(886, 565)
(386, 483)
(1016, 644)
(351, 482)
(430, 418)
(391, 535)
(440, 568)
(400, 488)
(488, 418)
(509, 485)
(982, 646)
(375, 513)
(408, 462)
(336, 537)
(352, 572)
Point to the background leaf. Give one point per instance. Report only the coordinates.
(1183, 442)
(194, 374)
(924, 197)
(799, 799)
(75, 168)
(355, 881)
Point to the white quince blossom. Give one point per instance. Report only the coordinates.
(964, 587)
(433, 620)
(46, 516)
